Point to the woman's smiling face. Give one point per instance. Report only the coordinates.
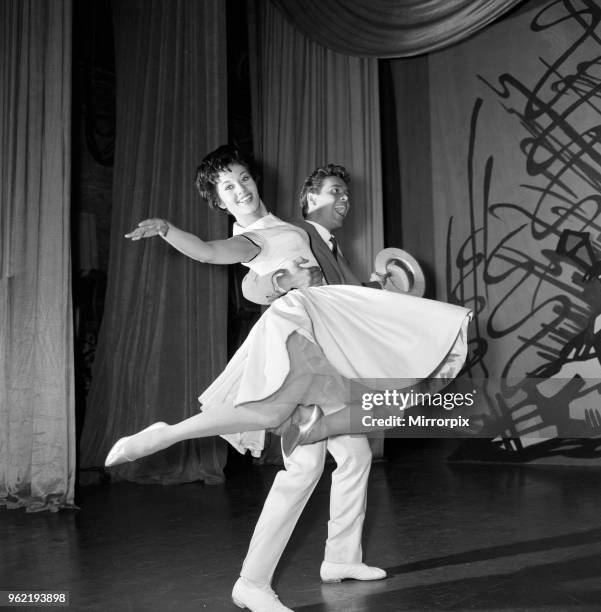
(238, 191)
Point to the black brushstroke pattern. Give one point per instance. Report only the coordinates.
(556, 150)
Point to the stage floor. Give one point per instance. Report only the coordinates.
(452, 537)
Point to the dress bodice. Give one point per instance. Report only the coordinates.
(281, 244)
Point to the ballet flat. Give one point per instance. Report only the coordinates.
(117, 454)
(297, 429)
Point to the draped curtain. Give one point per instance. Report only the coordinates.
(316, 99)
(391, 28)
(37, 433)
(163, 336)
(312, 106)
(314, 102)
(410, 218)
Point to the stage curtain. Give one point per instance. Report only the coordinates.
(312, 106)
(163, 336)
(408, 170)
(391, 28)
(37, 406)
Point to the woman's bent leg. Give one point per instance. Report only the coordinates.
(353, 418)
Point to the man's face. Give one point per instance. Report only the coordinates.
(330, 206)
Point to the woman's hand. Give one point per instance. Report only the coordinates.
(149, 228)
(232, 250)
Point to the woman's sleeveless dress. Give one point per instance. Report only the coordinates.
(310, 343)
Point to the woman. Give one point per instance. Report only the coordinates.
(311, 341)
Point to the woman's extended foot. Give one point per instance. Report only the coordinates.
(134, 447)
(296, 430)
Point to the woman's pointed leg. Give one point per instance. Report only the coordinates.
(225, 419)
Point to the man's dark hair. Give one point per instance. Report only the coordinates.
(314, 182)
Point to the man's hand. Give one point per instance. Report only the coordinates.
(378, 278)
(396, 279)
(298, 276)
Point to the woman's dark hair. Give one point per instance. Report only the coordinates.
(212, 165)
(315, 180)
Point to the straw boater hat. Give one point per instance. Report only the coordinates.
(402, 270)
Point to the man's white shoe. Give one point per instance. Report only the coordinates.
(256, 599)
(335, 572)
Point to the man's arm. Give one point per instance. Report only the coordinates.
(260, 289)
(264, 289)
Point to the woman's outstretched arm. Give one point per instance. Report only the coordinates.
(231, 250)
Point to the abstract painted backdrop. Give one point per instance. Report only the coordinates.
(516, 160)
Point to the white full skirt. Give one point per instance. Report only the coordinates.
(310, 343)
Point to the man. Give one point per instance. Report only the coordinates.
(325, 204)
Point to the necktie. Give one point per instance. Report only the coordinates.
(334, 247)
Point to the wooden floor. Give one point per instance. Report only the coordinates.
(452, 537)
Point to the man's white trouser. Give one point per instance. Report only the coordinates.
(290, 492)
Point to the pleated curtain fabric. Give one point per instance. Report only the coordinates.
(163, 337)
(37, 411)
(312, 106)
(411, 217)
(391, 28)
(315, 97)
